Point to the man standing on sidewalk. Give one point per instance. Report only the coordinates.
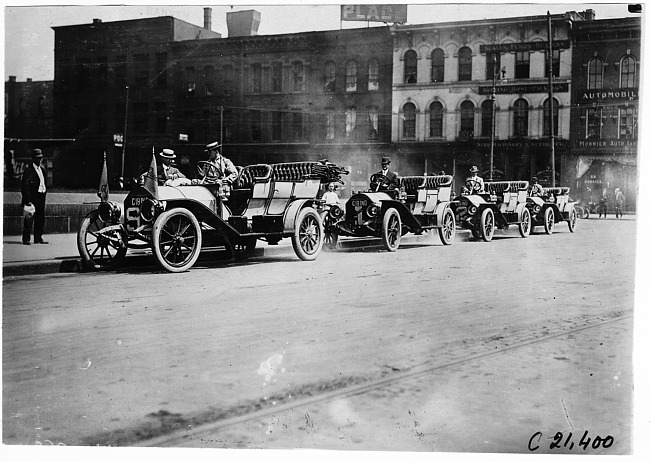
(33, 191)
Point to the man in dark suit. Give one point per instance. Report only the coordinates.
(166, 171)
(392, 178)
(33, 191)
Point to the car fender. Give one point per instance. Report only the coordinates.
(499, 219)
(203, 214)
(557, 215)
(520, 209)
(292, 211)
(439, 211)
(405, 215)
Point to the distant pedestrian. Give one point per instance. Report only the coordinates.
(33, 194)
(619, 199)
(602, 204)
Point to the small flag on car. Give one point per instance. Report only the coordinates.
(103, 183)
(151, 178)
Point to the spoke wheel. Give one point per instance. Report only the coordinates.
(524, 224)
(573, 219)
(487, 225)
(177, 240)
(549, 221)
(307, 239)
(100, 249)
(447, 231)
(391, 230)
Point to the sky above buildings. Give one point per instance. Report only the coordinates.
(29, 38)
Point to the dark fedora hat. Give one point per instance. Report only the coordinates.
(37, 153)
(385, 160)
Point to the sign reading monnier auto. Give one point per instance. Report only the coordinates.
(376, 13)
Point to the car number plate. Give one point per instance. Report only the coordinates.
(359, 203)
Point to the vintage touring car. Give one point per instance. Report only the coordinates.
(553, 206)
(267, 202)
(502, 204)
(420, 203)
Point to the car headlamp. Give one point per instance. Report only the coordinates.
(536, 208)
(373, 210)
(336, 211)
(472, 210)
(150, 208)
(109, 212)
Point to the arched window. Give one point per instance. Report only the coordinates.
(520, 118)
(373, 75)
(408, 130)
(298, 76)
(330, 76)
(276, 77)
(410, 67)
(466, 119)
(190, 81)
(628, 72)
(208, 79)
(350, 121)
(438, 65)
(595, 74)
(228, 78)
(547, 119)
(435, 119)
(486, 118)
(373, 122)
(465, 64)
(351, 76)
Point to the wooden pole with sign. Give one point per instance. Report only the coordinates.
(549, 66)
(126, 112)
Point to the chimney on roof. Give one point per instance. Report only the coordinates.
(12, 78)
(243, 23)
(590, 15)
(29, 79)
(207, 18)
(96, 21)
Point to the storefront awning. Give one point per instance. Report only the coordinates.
(585, 161)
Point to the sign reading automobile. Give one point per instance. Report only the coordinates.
(376, 13)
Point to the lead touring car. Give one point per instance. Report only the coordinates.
(267, 202)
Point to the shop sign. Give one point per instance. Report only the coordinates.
(606, 143)
(630, 94)
(374, 13)
(523, 46)
(519, 144)
(516, 89)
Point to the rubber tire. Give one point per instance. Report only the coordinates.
(89, 260)
(307, 238)
(391, 230)
(194, 229)
(487, 225)
(549, 221)
(573, 220)
(586, 214)
(524, 224)
(447, 231)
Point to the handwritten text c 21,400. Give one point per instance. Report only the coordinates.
(559, 442)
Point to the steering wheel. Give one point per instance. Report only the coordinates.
(472, 185)
(206, 169)
(380, 181)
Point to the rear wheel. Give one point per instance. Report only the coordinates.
(447, 231)
(487, 225)
(549, 221)
(573, 219)
(524, 225)
(307, 239)
(100, 248)
(177, 240)
(391, 230)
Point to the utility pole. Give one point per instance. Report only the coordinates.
(126, 112)
(221, 129)
(495, 74)
(549, 60)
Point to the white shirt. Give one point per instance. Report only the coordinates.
(39, 172)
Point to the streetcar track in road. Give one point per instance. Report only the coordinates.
(347, 387)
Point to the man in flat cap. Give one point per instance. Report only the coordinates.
(391, 178)
(166, 171)
(33, 191)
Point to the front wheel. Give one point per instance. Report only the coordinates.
(447, 231)
(177, 240)
(100, 247)
(487, 225)
(579, 211)
(549, 221)
(524, 224)
(573, 219)
(307, 237)
(391, 230)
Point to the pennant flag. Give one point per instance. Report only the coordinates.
(103, 183)
(151, 178)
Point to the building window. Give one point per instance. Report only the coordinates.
(119, 71)
(373, 75)
(435, 119)
(329, 125)
(208, 78)
(594, 123)
(276, 77)
(209, 88)
(350, 121)
(465, 64)
(373, 123)
(141, 70)
(228, 79)
(520, 129)
(297, 126)
(438, 65)
(547, 119)
(298, 74)
(626, 122)
(492, 65)
(595, 73)
(486, 118)
(190, 81)
(102, 72)
(330, 76)
(628, 72)
(408, 130)
(522, 65)
(161, 70)
(161, 117)
(555, 63)
(351, 76)
(140, 117)
(256, 78)
(466, 120)
(276, 126)
(256, 126)
(83, 73)
(410, 67)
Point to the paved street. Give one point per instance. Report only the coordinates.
(473, 347)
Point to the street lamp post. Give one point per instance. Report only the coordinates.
(496, 75)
